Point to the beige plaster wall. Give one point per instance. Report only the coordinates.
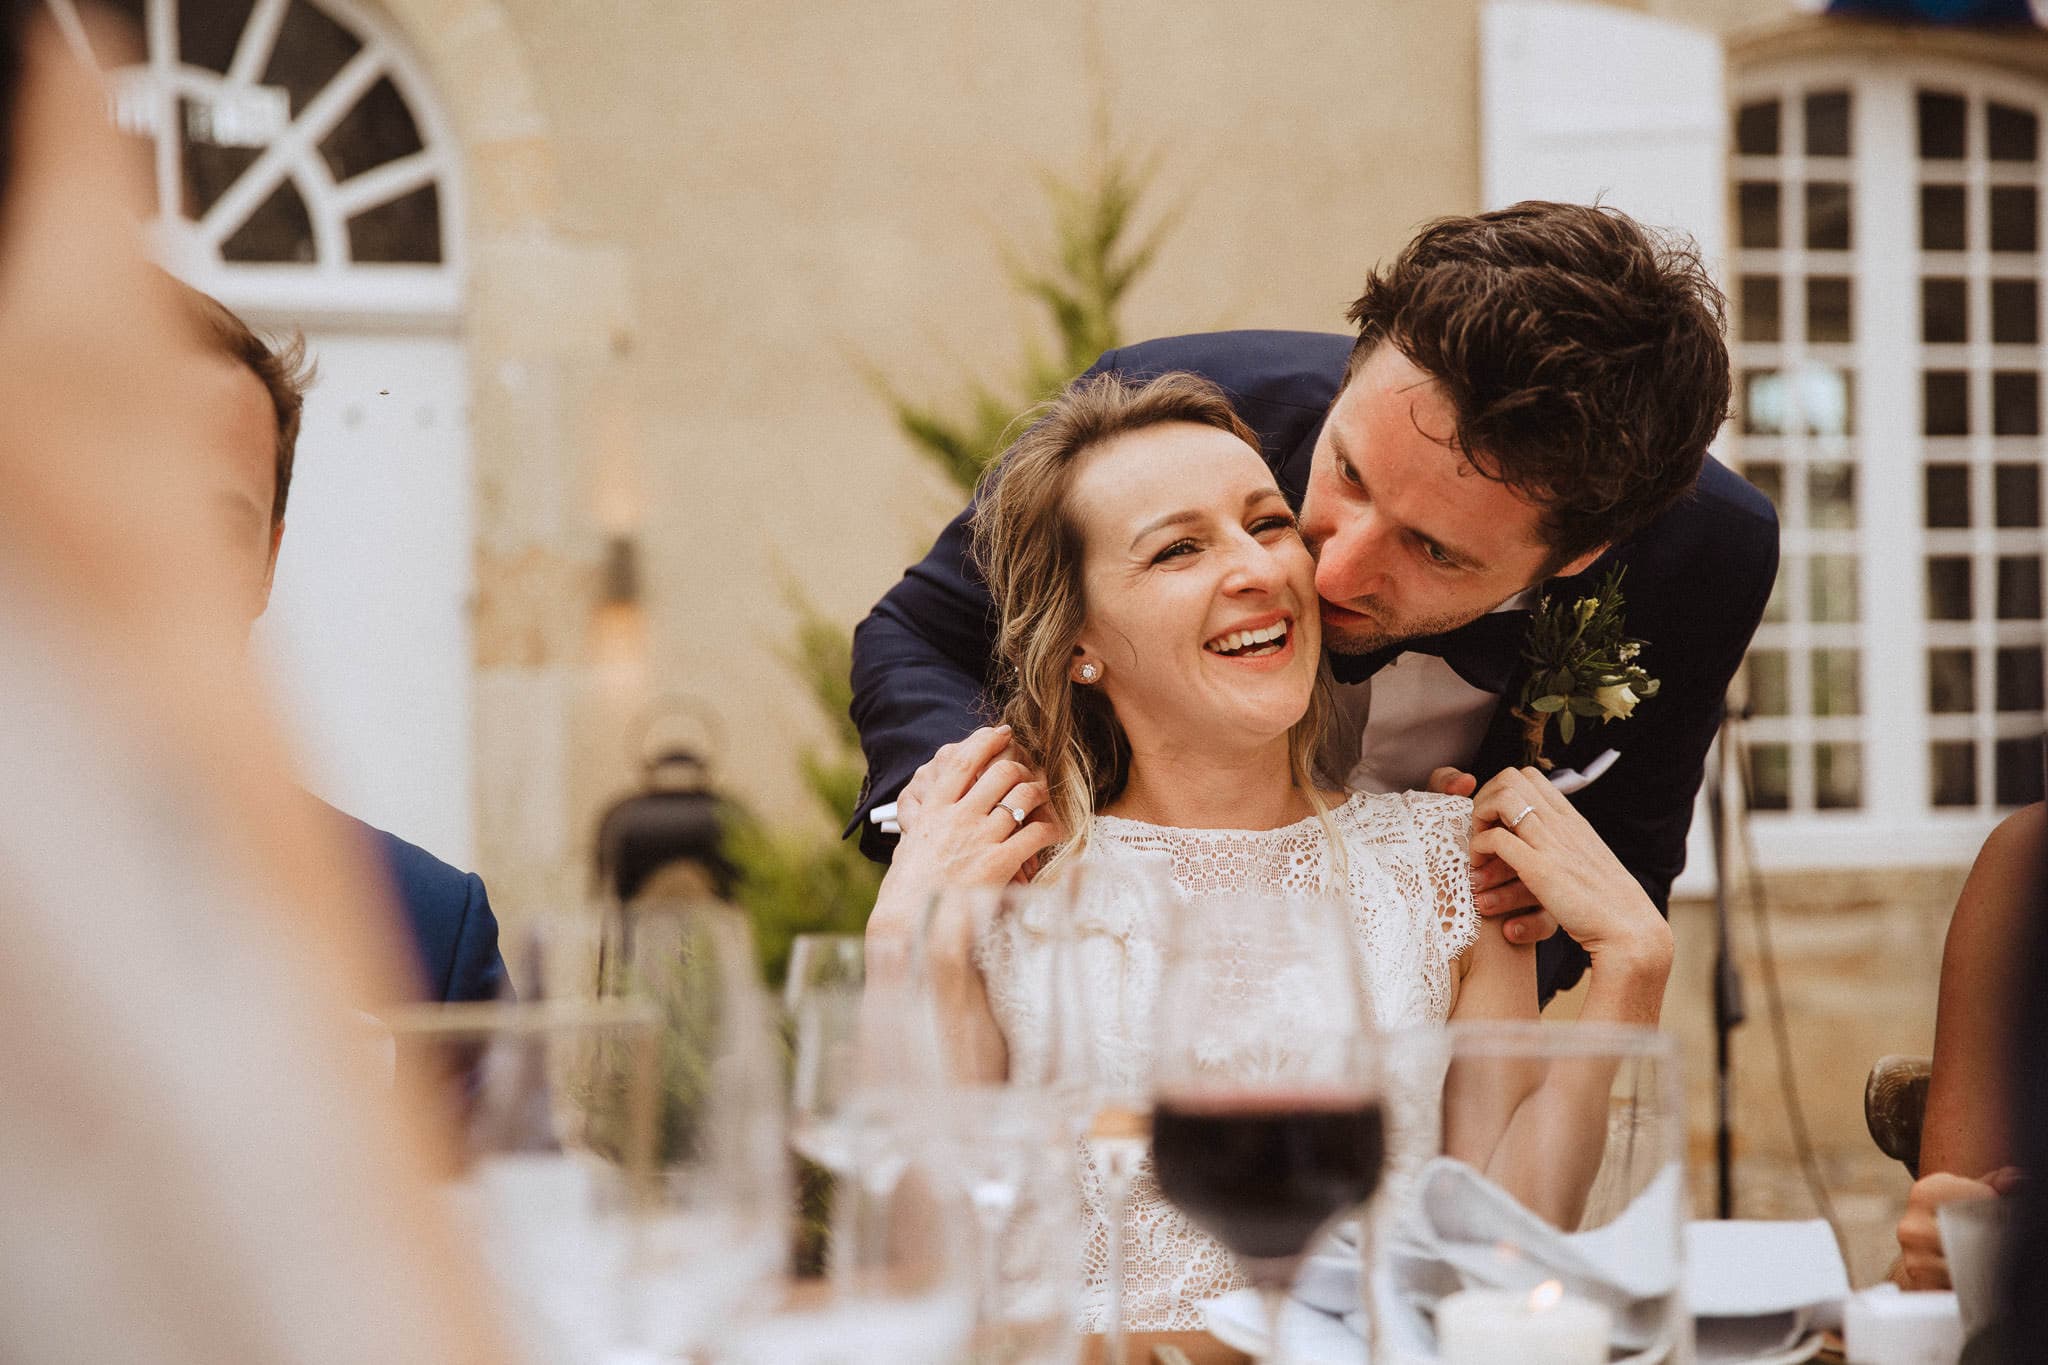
(695, 227)
(802, 190)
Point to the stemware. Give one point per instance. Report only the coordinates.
(719, 1237)
(1014, 1118)
(1266, 1121)
(835, 962)
(705, 1233)
(552, 1156)
(1545, 1195)
(823, 997)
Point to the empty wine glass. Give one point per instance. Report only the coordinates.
(717, 1238)
(1266, 1119)
(823, 996)
(1015, 1112)
(554, 1156)
(1543, 1191)
(835, 962)
(903, 1288)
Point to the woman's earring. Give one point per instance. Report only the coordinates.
(1088, 672)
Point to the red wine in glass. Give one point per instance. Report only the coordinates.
(1263, 1173)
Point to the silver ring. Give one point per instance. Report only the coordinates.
(1526, 812)
(1019, 816)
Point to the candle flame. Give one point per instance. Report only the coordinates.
(1545, 1296)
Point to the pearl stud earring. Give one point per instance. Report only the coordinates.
(1088, 672)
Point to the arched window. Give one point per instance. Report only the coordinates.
(1886, 278)
(304, 177)
(299, 168)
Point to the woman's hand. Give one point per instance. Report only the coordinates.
(1923, 1264)
(972, 816)
(1526, 823)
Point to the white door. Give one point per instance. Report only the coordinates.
(368, 633)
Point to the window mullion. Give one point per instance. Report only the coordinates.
(1888, 420)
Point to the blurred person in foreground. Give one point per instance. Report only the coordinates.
(258, 395)
(194, 1164)
(1970, 1144)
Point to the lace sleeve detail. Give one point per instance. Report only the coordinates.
(1443, 827)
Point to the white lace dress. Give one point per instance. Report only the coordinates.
(1406, 880)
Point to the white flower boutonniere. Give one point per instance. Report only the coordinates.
(1582, 667)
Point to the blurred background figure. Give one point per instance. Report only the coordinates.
(195, 1162)
(258, 394)
(1969, 1145)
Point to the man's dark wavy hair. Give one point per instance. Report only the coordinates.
(1584, 358)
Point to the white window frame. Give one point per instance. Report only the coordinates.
(331, 290)
(1897, 825)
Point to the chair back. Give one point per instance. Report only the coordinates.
(1895, 1104)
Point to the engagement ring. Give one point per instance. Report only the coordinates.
(1525, 813)
(1019, 816)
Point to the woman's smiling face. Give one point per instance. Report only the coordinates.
(1201, 601)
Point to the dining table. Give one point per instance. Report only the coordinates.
(1163, 1348)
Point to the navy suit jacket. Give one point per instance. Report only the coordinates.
(1697, 580)
(454, 934)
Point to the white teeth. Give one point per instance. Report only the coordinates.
(1244, 639)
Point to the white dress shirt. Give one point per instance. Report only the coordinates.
(1419, 716)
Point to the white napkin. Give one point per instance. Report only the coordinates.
(1758, 1287)
(1465, 1232)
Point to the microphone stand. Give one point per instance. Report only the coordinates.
(1725, 789)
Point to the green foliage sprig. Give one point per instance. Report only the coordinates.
(1582, 667)
(794, 877)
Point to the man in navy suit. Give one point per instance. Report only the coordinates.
(257, 395)
(1527, 404)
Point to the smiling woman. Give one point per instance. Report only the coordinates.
(1136, 532)
(1161, 669)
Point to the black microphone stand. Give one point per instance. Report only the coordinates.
(1728, 1011)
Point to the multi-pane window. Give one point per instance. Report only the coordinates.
(1978, 163)
(1795, 234)
(1911, 503)
(283, 133)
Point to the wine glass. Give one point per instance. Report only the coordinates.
(1014, 1116)
(552, 1160)
(1266, 1117)
(1542, 1193)
(716, 1237)
(823, 997)
(824, 962)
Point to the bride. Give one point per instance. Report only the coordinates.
(1164, 696)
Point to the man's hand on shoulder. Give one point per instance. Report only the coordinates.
(1497, 893)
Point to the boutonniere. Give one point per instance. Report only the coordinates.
(1582, 667)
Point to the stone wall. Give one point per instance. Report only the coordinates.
(1858, 958)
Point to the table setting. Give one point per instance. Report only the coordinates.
(634, 1120)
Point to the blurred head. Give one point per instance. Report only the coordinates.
(1151, 588)
(1529, 386)
(254, 394)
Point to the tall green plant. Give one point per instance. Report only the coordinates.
(1097, 255)
(794, 880)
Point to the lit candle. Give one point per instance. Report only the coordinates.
(1545, 1326)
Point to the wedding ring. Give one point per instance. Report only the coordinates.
(1019, 816)
(1524, 814)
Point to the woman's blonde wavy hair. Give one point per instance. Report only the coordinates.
(1029, 548)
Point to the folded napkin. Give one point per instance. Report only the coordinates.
(1759, 1288)
(1465, 1232)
